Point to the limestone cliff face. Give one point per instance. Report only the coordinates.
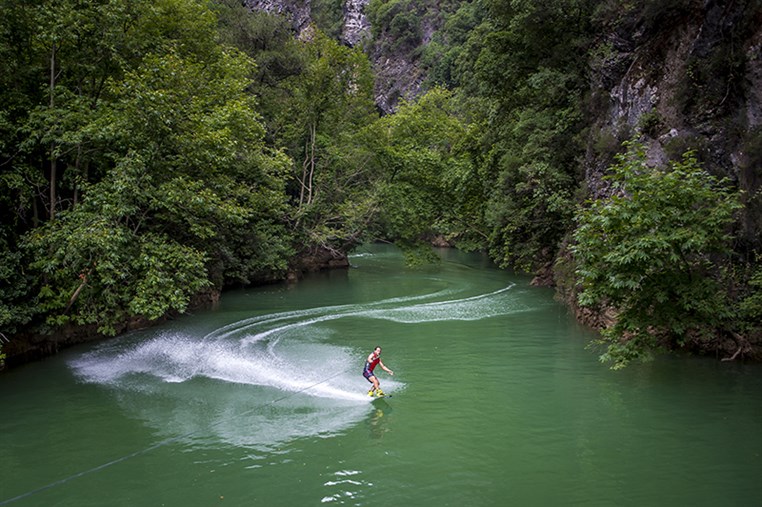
(298, 12)
(398, 75)
(397, 78)
(683, 75)
(690, 81)
(356, 26)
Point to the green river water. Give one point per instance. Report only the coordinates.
(495, 401)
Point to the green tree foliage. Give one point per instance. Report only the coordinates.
(750, 307)
(533, 67)
(328, 105)
(518, 73)
(653, 251)
(154, 149)
(429, 186)
(167, 185)
(269, 40)
(449, 57)
(99, 271)
(202, 168)
(328, 16)
(15, 308)
(397, 23)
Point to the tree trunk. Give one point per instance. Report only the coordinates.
(78, 177)
(308, 168)
(312, 164)
(53, 162)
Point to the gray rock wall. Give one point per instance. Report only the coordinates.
(298, 12)
(694, 83)
(398, 76)
(356, 25)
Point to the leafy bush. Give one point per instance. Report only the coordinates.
(328, 16)
(405, 30)
(396, 23)
(426, 177)
(15, 312)
(696, 144)
(751, 305)
(651, 124)
(652, 250)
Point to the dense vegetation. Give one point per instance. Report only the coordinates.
(155, 151)
(135, 170)
(653, 250)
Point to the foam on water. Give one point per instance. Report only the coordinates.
(177, 358)
(472, 308)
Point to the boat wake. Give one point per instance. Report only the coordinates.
(266, 379)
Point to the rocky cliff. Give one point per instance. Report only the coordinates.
(688, 76)
(298, 12)
(398, 73)
(682, 75)
(356, 26)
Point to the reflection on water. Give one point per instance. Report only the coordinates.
(346, 484)
(378, 421)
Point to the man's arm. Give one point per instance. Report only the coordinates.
(383, 367)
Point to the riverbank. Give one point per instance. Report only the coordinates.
(34, 345)
(722, 345)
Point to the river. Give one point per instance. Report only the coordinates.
(496, 399)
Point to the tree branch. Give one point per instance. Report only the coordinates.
(83, 277)
(743, 346)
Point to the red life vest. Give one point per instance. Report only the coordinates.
(372, 364)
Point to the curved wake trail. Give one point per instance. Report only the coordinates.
(285, 357)
(247, 351)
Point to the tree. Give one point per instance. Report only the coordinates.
(531, 70)
(15, 310)
(187, 195)
(428, 184)
(652, 251)
(56, 59)
(328, 105)
(97, 269)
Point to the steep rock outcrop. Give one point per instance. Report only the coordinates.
(688, 78)
(356, 25)
(398, 74)
(298, 12)
(398, 78)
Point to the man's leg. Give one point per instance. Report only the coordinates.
(376, 386)
(373, 380)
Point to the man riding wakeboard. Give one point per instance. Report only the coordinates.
(373, 360)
